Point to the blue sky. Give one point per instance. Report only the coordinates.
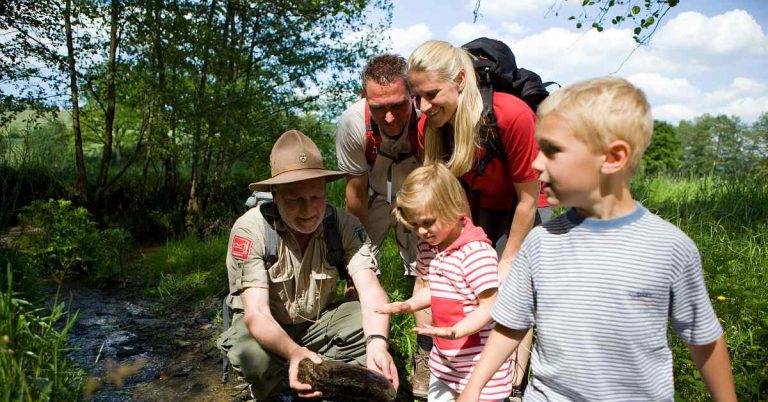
(707, 56)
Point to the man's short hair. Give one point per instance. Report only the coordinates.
(385, 69)
(601, 110)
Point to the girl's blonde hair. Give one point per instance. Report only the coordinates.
(431, 188)
(447, 62)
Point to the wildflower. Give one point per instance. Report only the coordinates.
(721, 298)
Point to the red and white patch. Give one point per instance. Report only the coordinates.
(241, 247)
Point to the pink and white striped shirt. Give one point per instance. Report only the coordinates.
(457, 275)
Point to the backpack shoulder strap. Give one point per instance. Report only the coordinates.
(269, 212)
(489, 132)
(372, 137)
(333, 245)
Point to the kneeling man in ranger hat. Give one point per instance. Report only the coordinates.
(283, 304)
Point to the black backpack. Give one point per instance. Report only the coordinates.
(497, 70)
(333, 245)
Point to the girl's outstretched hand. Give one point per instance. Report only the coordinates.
(440, 332)
(394, 308)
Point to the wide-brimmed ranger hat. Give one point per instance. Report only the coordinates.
(294, 157)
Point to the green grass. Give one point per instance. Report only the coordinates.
(728, 220)
(32, 362)
(187, 270)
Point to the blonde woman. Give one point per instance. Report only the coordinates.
(443, 81)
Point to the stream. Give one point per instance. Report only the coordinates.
(137, 352)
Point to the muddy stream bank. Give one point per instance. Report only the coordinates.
(122, 337)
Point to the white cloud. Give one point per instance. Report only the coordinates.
(566, 56)
(748, 108)
(464, 32)
(730, 33)
(660, 89)
(514, 28)
(674, 99)
(674, 112)
(406, 39)
(695, 63)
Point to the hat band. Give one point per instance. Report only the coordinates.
(296, 166)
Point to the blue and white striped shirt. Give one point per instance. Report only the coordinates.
(600, 294)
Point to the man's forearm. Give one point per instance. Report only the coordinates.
(372, 295)
(270, 335)
(356, 196)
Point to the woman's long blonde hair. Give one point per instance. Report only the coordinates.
(447, 62)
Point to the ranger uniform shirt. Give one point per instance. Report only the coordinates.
(301, 285)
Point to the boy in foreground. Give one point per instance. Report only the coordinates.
(601, 281)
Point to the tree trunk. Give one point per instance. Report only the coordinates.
(81, 185)
(109, 117)
(194, 207)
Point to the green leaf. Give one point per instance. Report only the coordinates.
(578, 25)
(635, 10)
(637, 30)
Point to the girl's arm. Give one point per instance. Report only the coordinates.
(471, 324)
(420, 300)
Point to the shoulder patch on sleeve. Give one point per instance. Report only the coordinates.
(241, 247)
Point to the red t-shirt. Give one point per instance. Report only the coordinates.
(517, 125)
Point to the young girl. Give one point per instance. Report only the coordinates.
(460, 265)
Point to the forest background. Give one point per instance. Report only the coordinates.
(129, 126)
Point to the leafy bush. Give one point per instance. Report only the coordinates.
(32, 362)
(61, 239)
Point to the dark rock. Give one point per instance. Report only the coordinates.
(336, 379)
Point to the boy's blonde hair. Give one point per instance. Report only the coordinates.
(447, 62)
(434, 189)
(601, 110)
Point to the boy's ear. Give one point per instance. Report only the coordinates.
(616, 157)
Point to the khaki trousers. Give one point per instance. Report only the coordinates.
(337, 335)
(380, 219)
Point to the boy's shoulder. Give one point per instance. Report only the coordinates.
(641, 223)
